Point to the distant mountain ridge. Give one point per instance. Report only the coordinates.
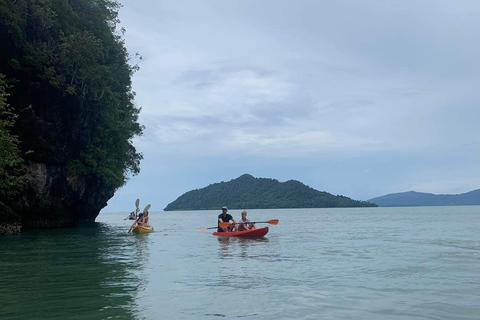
(248, 192)
(412, 198)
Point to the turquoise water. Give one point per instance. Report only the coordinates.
(366, 263)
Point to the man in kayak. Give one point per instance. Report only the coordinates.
(225, 217)
(133, 215)
(245, 224)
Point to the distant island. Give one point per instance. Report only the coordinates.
(248, 192)
(412, 198)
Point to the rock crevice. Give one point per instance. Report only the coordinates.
(10, 222)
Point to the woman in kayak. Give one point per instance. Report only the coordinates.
(225, 217)
(145, 219)
(245, 224)
(138, 222)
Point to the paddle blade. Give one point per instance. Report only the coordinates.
(224, 224)
(146, 208)
(137, 203)
(203, 229)
(273, 221)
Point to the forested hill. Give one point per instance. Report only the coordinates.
(248, 192)
(412, 198)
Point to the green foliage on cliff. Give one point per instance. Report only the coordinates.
(10, 174)
(68, 62)
(247, 192)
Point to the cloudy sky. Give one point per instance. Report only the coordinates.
(354, 97)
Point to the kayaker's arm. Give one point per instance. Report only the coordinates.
(220, 221)
(133, 225)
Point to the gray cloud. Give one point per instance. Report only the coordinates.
(387, 87)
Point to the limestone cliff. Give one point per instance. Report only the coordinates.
(68, 82)
(54, 196)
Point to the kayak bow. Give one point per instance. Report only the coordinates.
(142, 229)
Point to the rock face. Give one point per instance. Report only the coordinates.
(54, 199)
(67, 77)
(10, 223)
(53, 196)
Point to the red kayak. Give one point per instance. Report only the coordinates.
(252, 233)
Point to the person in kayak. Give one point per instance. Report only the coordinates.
(245, 224)
(133, 215)
(137, 222)
(225, 217)
(145, 219)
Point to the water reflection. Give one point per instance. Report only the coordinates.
(228, 246)
(223, 249)
(91, 273)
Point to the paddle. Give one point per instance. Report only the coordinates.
(146, 208)
(133, 225)
(206, 228)
(227, 224)
(137, 202)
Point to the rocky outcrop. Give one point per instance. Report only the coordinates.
(53, 196)
(10, 223)
(69, 88)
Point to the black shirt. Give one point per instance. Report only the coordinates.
(225, 218)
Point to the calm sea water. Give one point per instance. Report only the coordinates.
(368, 263)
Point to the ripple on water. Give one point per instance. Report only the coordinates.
(370, 263)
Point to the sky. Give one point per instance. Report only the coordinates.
(357, 98)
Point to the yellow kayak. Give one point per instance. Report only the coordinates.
(142, 229)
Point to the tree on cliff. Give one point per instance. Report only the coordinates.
(10, 175)
(71, 76)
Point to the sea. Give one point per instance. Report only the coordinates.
(343, 263)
